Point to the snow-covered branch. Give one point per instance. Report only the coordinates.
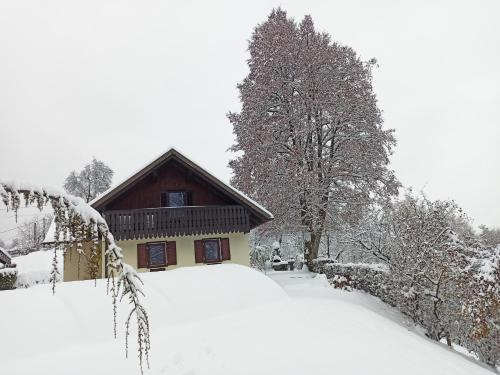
(77, 222)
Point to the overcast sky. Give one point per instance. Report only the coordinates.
(123, 81)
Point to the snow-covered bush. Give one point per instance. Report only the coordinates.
(8, 277)
(342, 282)
(439, 274)
(278, 264)
(258, 258)
(371, 278)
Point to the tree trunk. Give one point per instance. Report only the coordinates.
(328, 245)
(312, 248)
(448, 341)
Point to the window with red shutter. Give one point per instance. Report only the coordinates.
(171, 253)
(224, 248)
(142, 255)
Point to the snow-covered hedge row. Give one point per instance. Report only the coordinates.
(380, 281)
(371, 278)
(8, 277)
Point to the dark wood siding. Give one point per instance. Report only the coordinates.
(170, 176)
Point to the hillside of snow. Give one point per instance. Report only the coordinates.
(224, 320)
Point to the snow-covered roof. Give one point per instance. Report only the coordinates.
(51, 233)
(173, 153)
(5, 256)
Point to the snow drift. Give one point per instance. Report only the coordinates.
(223, 320)
(37, 322)
(34, 268)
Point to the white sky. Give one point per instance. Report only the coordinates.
(125, 80)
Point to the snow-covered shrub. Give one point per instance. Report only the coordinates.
(258, 258)
(298, 262)
(279, 264)
(371, 278)
(342, 282)
(8, 278)
(276, 247)
(439, 274)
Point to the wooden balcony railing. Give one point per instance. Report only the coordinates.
(176, 221)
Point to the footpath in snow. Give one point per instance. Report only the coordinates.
(218, 320)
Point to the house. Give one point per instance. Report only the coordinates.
(173, 213)
(5, 259)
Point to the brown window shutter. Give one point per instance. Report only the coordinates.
(198, 251)
(171, 253)
(142, 255)
(224, 249)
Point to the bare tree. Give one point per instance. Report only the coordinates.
(309, 134)
(31, 233)
(94, 179)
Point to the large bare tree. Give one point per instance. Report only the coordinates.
(309, 136)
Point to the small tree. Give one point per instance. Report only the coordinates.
(258, 257)
(31, 233)
(94, 179)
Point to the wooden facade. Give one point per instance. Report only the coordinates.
(135, 209)
(168, 177)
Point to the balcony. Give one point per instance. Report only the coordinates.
(176, 221)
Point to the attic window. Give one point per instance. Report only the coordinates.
(177, 198)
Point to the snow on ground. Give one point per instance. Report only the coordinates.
(34, 268)
(223, 320)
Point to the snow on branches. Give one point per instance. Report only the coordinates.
(76, 222)
(441, 275)
(309, 137)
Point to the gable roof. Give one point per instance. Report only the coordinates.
(172, 154)
(5, 257)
